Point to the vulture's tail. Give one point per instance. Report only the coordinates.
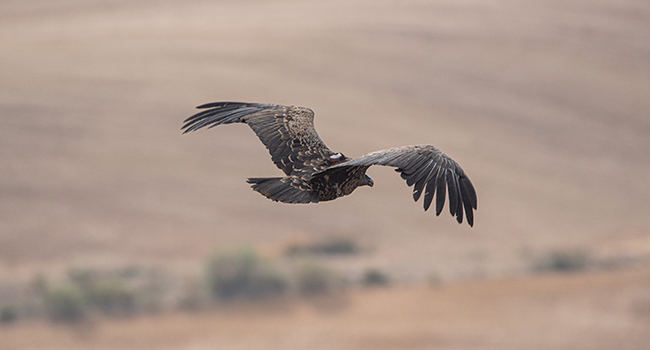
(283, 189)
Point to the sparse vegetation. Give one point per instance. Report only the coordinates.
(330, 246)
(242, 274)
(111, 297)
(562, 261)
(105, 291)
(374, 277)
(88, 291)
(194, 296)
(151, 288)
(8, 314)
(85, 293)
(64, 303)
(314, 279)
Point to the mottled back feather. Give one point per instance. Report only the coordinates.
(286, 131)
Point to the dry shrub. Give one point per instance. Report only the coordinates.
(242, 274)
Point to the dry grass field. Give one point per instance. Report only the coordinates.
(545, 104)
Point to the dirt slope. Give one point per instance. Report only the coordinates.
(545, 105)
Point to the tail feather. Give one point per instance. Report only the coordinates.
(283, 189)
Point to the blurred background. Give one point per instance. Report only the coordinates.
(116, 231)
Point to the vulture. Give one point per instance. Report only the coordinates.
(314, 173)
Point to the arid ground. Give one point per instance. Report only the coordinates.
(591, 311)
(545, 104)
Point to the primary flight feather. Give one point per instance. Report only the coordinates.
(315, 173)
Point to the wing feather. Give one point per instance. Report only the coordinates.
(286, 131)
(467, 204)
(415, 170)
(426, 169)
(453, 192)
(419, 185)
(440, 198)
(429, 193)
(420, 174)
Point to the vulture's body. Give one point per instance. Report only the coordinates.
(314, 173)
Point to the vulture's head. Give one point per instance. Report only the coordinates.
(336, 158)
(367, 181)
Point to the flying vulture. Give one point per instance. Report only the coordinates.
(314, 173)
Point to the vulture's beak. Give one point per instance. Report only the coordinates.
(369, 181)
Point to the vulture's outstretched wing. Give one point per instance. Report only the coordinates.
(423, 165)
(286, 131)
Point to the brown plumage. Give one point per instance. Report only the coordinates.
(315, 173)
